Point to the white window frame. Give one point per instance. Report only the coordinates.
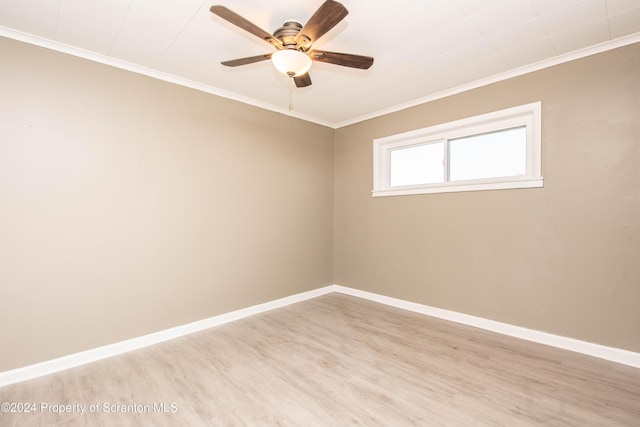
(528, 115)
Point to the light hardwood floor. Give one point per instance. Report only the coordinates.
(337, 360)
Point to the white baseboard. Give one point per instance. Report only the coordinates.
(612, 354)
(624, 357)
(93, 355)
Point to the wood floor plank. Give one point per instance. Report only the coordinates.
(338, 360)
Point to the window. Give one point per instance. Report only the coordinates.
(498, 150)
(420, 164)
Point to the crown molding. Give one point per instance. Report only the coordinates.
(150, 72)
(128, 66)
(557, 60)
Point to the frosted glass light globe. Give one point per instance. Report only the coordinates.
(291, 62)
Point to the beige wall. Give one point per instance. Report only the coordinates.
(129, 205)
(563, 259)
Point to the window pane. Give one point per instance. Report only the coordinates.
(420, 164)
(489, 155)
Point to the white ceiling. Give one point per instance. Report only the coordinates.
(422, 48)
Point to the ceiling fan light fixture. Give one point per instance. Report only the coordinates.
(291, 62)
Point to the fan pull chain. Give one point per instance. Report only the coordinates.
(290, 92)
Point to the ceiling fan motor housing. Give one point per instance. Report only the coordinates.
(287, 35)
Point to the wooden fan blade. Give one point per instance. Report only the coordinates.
(303, 80)
(325, 18)
(344, 59)
(245, 61)
(245, 24)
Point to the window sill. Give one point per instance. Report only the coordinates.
(454, 187)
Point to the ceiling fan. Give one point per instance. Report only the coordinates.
(293, 42)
